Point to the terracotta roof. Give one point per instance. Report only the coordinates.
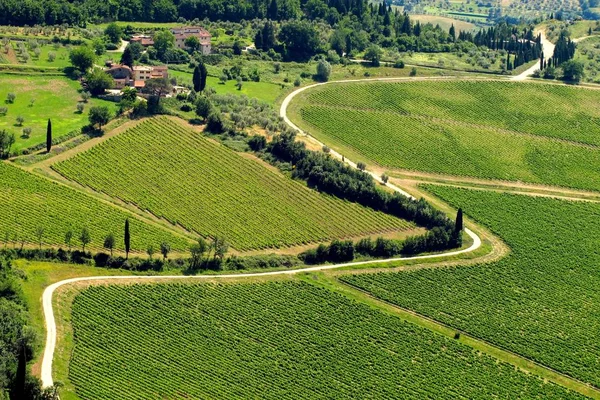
(118, 66)
(139, 84)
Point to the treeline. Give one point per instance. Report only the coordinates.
(522, 42)
(437, 239)
(79, 12)
(16, 341)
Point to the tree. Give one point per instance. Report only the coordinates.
(238, 83)
(165, 249)
(127, 57)
(323, 70)
(85, 237)
(20, 120)
(85, 96)
(384, 178)
(127, 239)
(373, 54)
(82, 58)
(203, 107)
(80, 107)
(98, 81)
(452, 33)
(219, 246)
(26, 132)
(21, 375)
(572, 71)
(113, 32)
(157, 87)
(150, 252)
(197, 251)
(192, 44)
(99, 115)
(6, 142)
(163, 41)
(272, 11)
(68, 238)
(361, 166)
(49, 136)
(300, 38)
(136, 50)
(199, 77)
(10, 97)
(458, 227)
(39, 234)
(109, 243)
(237, 48)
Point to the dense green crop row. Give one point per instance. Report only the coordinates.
(180, 175)
(542, 301)
(414, 143)
(285, 340)
(29, 202)
(546, 110)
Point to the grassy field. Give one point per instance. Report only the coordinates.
(210, 189)
(29, 202)
(541, 301)
(458, 128)
(325, 346)
(28, 56)
(55, 97)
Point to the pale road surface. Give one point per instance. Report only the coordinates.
(46, 369)
(548, 49)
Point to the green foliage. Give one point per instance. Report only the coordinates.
(323, 70)
(373, 54)
(541, 301)
(82, 58)
(98, 81)
(114, 33)
(24, 210)
(99, 116)
(212, 191)
(300, 38)
(335, 346)
(572, 70)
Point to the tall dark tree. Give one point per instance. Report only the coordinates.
(199, 78)
(452, 33)
(127, 57)
(459, 221)
(20, 378)
(542, 61)
(49, 136)
(272, 11)
(127, 238)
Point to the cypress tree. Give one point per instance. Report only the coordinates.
(542, 61)
(272, 11)
(21, 375)
(127, 239)
(49, 136)
(459, 221)
(197, 78)
(203, 75)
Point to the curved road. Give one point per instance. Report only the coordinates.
(46, 369)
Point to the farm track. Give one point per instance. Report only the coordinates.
(497, 251)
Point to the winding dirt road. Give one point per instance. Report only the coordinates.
(547, 48)
(46, 368)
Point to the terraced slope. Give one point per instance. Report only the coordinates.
(278, 340)
(178, 174)
(30, 202)
(542, 301)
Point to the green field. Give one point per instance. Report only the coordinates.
(469, 128)
(248, 341)
(588, 52)
(542, 301)
(29, 202)
(264, 91)
(178, 174)
(55, 97)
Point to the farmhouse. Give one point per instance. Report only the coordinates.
(203, 36)
(137, 76)
(144, 40)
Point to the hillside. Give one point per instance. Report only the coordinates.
(180, 175)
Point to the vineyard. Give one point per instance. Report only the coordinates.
(540, 109)
(29, 203)
(177, 174)
(279, 340)
(542, 301)
(416, 143)
(536, 133)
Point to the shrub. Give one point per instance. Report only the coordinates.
(413, 71)
(26, 132)
(10, 98)
(399, 64)
(297, 82)
(323, 71)
(257, 143)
